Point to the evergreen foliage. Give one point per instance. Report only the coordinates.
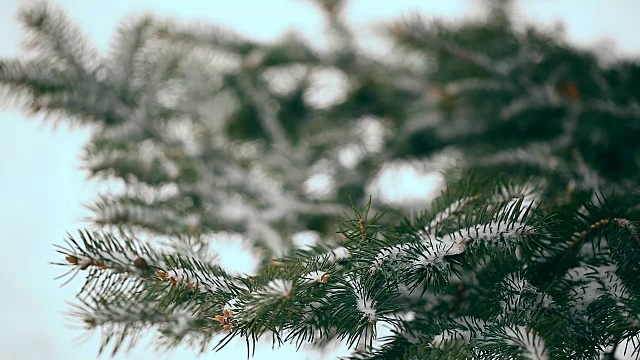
(530, 250)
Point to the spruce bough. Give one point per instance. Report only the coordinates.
(530, 250)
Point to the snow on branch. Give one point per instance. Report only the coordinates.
(449, 211)
(465, 329)
(532, 345)
(196, 279)
(494, 232)
(106, 257)
(509, 223)
(105, 252)
(116, 318)
(592, 283)
(56, 37)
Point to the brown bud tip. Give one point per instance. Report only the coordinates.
(72, 259)
(275, 262)
(397, 30)
(162, 274)
(325, 278)
(141, 264)
(571, 91)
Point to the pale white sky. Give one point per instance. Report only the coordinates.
(43, 189)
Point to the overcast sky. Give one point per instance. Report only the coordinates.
(43, 190)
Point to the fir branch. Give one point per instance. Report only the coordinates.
(192, 120)
(108, 259)
(120, 322)
(104, 251)
(416, 34)
(125, 210)
(52, 34)
(266, 114)
(131, 37)
(45, 87)
(32, 75)
(528, 342)
(205, 35)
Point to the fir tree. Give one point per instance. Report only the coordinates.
(531, 250)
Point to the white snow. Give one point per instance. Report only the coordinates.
(448, 211)
(339, 253)
(366, 307)
(404, 184)
(283, 80)
(280, 288)
(434, 256)
(372, 131)
(319, 186)
(594, 282)
(495, 231)
(232, 305)
(532, 344)
(388, 255)
(350, 155)
(328, 86)
(463, 334)
(180, 321)
(203, 281)
(305, 239)
(314, 277)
